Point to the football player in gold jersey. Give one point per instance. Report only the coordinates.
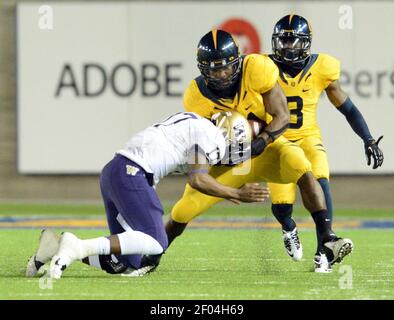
(249, 85)
(303, 77)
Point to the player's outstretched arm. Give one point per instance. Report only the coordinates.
(356, 120)
(276, 105)
(200, 180)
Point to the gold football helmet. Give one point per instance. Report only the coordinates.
(237, 133)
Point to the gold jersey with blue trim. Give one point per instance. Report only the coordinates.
(259, 75)
(303, 93)
(281, 162)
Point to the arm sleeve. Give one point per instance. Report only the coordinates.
(355, 119)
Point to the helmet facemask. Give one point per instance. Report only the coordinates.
(221, 75)
(291, 48)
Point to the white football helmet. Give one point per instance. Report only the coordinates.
(238, 134)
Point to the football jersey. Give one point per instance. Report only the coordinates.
(303, 94)
(259, 75)
(170, 146)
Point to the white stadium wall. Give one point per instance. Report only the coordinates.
(106, 70)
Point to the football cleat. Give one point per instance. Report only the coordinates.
(138, 272)
(292, 244)
(149, 263)
(48, 246)
(321, 264)
(70, 249)
(337, 248)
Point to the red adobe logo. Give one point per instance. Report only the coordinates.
(246, 34)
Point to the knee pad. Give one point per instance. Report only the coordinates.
(294, 164)
(283, 193)
(185, 210)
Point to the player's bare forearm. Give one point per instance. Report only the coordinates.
(206, 184)
(200, 180)
(335, 93)
(276, 105)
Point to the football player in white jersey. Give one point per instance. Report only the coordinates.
(184, 142)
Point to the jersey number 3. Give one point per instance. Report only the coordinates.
(297, 111)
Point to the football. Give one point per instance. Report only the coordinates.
(257, 127)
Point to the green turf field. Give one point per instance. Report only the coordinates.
(209, 264)
(226, 209)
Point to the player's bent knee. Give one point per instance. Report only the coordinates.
(184, 211)
(306, 178)
(322, 174)
(294, 164)
(293, 171)
(154, 248)
(136, 242)
(192, 204)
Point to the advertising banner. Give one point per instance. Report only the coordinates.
(92, 74)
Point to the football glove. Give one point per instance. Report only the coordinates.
(258, 146)
(373, 151)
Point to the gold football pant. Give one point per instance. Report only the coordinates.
(316, 154)
(281, 162)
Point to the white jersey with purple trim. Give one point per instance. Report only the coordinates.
(170, 146)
